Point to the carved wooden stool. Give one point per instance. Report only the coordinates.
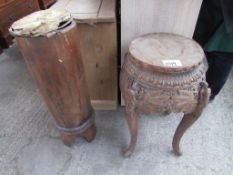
(51, 50)
(163, 73)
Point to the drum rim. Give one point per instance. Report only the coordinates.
(165, 69)
(48, 33)
(176, 70)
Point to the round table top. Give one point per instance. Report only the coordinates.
(170, 52)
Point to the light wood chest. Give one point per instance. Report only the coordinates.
(97, 26)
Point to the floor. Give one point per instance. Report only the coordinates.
(29, 143)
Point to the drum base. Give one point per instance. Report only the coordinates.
(69, 139)
(87, 130)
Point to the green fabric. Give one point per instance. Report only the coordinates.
(220, 41)
(210, 31)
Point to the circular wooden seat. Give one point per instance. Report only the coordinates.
(167, 52)
(163, 73)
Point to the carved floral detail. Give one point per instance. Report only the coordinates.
(146, 91)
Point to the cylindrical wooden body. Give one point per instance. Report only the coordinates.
(56, 66)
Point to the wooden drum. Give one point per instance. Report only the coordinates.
(163, 73)
(49, 43)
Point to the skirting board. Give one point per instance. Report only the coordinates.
(104, 104)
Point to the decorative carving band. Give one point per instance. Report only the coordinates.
(158, 79)
(149, 86)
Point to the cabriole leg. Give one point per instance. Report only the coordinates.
(189, 119)
(132, 119)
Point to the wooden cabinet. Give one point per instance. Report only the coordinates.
(11, 11)
(44, 4)
(97, 27)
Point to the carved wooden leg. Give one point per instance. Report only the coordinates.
(132, 119)
(90, 133)
(185, 123)
(189, 119)
(68, 139)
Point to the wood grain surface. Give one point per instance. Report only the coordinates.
(60, 77)
(89, 10)
(10, 11)
(155, 49)
(148, 16)
(97, 27)
(98, 48)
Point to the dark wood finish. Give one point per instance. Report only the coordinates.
(150, 87)
(44, 4)
(11, 11)
(57, 67)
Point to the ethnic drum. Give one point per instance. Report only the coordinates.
(52, 53)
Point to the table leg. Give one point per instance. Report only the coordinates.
(132, 119)
(189, 119)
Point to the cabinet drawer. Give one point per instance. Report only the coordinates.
(16, 10)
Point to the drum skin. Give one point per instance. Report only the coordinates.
(161, 92)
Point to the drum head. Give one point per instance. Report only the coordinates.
(168, 52)
(41, 23)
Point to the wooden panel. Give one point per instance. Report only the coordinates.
(140, 17)
(98, 49)
(84, 6)
(186, 17)
(104, 104)
(4, 2)
(11, 11)
(85, 18)
(44, 4)
(80, 9)
(107, 10)
(97, 27)
(60, 4)
(90, 11)
(148, 16)
(9, 14)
